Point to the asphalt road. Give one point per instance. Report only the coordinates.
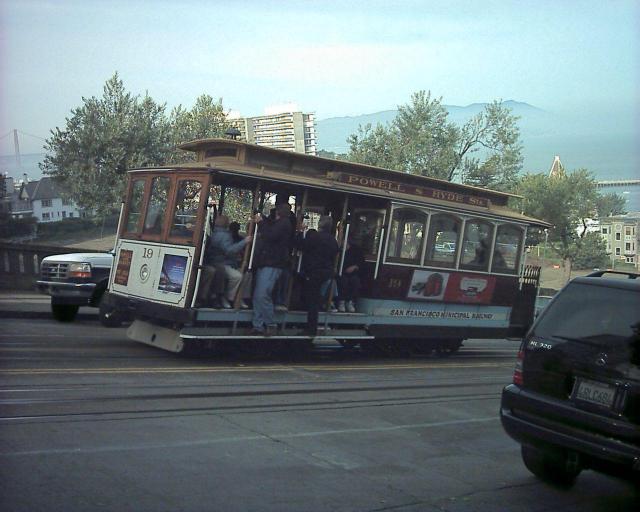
(92, 421)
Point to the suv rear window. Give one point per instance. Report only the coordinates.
(598, 313)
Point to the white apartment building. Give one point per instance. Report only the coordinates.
(289, 131)
(622, 236)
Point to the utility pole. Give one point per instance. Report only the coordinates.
(17, 147)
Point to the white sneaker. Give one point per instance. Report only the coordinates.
(225, 303)
(281, 308)
(244, 305)
(341, 307)
(351, 308)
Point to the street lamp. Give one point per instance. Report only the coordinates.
(544, 250)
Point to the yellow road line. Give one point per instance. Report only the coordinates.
(204, 369)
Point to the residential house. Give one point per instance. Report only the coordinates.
(622, 236)
(42, 199)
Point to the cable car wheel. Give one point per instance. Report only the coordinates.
(444, 348)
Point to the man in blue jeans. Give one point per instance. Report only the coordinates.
(271, 256)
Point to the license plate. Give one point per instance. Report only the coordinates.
(594, 392)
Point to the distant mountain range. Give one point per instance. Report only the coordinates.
(606, 144)
(600, 146)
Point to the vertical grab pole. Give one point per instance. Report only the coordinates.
(115, 245)
(375, 273)
(248, 253)
(253, 246)
(344, 250)
(341, 240)
(205, 238)
(293, 275)
(303, 205)
(247, 259)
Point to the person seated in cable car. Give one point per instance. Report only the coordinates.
(224, 254)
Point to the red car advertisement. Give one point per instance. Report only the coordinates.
(451, 287)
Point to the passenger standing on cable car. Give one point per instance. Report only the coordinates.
(271, 256)
(319, 252)
(349, 281)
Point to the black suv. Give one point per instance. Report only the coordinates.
(575, 399)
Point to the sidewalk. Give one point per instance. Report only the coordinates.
(24, 304)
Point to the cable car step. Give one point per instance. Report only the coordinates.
(212, 333)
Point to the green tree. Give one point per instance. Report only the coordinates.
(591, 252)
(102, 139)
(206, 119)
(426, 139)
(373, 146)
(323, 153)
(494, 133)
(486, 151)
(609, 205)
(566, 201)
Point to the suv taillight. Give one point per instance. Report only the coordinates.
(518, 376)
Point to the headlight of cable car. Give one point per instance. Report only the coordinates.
(80, 270)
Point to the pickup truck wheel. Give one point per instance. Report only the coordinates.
(109, 316)
(64, 312)
(554, 466)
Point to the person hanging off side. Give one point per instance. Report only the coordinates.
(319, 251)
(271, 256)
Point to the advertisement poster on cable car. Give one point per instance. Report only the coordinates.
(451, 287)
(172, 275)
(428, 285)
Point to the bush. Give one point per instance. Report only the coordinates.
(10, 227)
(64, 227)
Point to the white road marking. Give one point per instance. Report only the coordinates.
(238, 439)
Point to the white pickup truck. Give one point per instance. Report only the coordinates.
(77, 279)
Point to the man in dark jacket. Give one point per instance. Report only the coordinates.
(319, 252)
(271, 256)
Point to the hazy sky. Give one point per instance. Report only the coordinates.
(333, 58)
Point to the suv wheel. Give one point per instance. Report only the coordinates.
(555, 466)
(64, 312)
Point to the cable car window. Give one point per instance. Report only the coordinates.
(185, 215)
(444, 231)
(365, 230)
(476, 247)
(406, 235)
(507, 249)
(134, 212)
(157, 206)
